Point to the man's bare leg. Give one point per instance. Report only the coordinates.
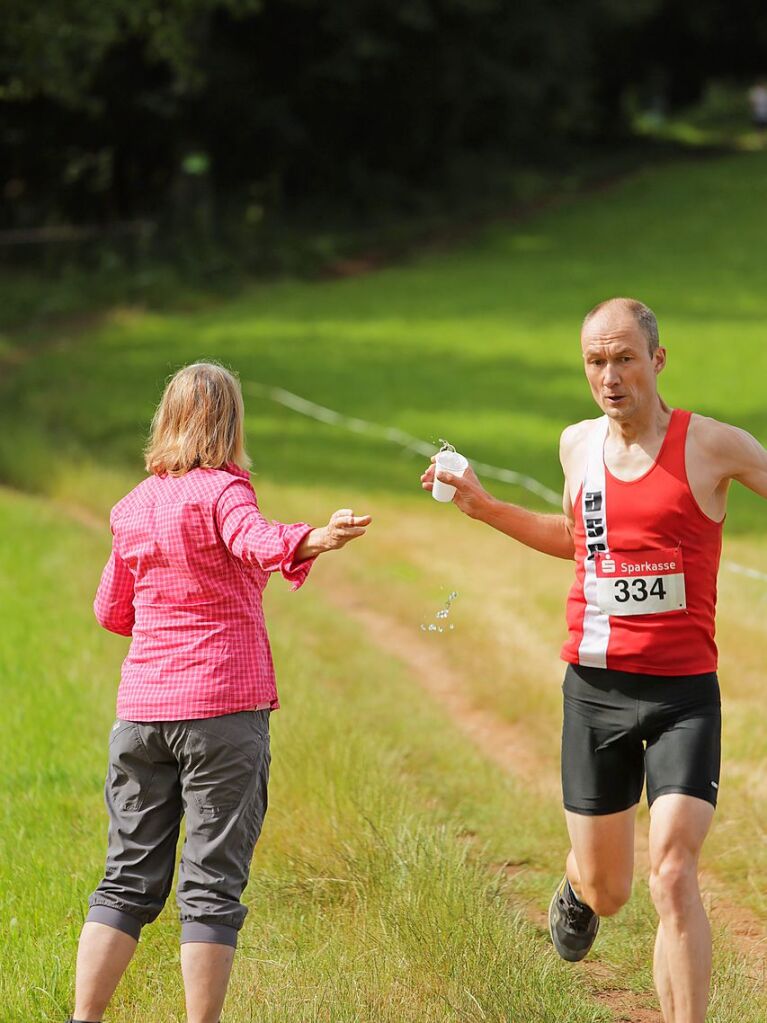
(600, 864)
(660, 975)
(682, 961)
(102, 957)
(205, 967)
(597, 881)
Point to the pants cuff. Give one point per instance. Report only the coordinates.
(115, 918)
(216, 934)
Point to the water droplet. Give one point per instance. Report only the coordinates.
(441, 615)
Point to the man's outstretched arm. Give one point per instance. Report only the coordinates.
(550, 534)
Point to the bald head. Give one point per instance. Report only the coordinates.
(620, 307)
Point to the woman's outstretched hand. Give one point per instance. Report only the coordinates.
(342, 527)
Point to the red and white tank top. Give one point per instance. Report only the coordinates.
(647, 557)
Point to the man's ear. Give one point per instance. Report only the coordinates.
(659, 360)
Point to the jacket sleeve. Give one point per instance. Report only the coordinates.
(113, 605)
(248, 536)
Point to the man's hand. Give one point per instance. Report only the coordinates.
(470, 496)
(549, 534)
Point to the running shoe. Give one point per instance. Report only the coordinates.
(572, 924)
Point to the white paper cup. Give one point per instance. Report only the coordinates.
(452, 462)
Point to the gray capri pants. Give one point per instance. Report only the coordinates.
(215, 772)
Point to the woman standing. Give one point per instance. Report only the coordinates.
(191, 556)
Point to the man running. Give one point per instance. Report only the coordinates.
(644, 502)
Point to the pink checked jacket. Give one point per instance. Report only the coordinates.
(191, 556)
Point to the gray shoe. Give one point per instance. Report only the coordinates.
(573, 925)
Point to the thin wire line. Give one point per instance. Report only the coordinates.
(421, 447)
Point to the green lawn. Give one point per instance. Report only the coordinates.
(376, 893)
(365, 903)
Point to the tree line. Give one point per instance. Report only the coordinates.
(125, 109)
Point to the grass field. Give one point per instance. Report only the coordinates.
(403, 871)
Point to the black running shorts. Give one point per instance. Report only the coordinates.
(619, 725)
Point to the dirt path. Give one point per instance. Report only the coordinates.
(510, 747)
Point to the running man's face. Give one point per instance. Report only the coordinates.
(622, 374)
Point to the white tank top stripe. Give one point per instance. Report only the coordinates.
(592, 651)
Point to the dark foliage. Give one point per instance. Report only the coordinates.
(208, 112)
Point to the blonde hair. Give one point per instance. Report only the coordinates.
(199, 422)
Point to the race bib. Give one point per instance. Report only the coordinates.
(640, 583)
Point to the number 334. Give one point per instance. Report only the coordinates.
(636, 589)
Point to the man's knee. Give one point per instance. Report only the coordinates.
(606, 898)
(674, 882)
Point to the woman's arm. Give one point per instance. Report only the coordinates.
(275, 546)
(113, 605)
